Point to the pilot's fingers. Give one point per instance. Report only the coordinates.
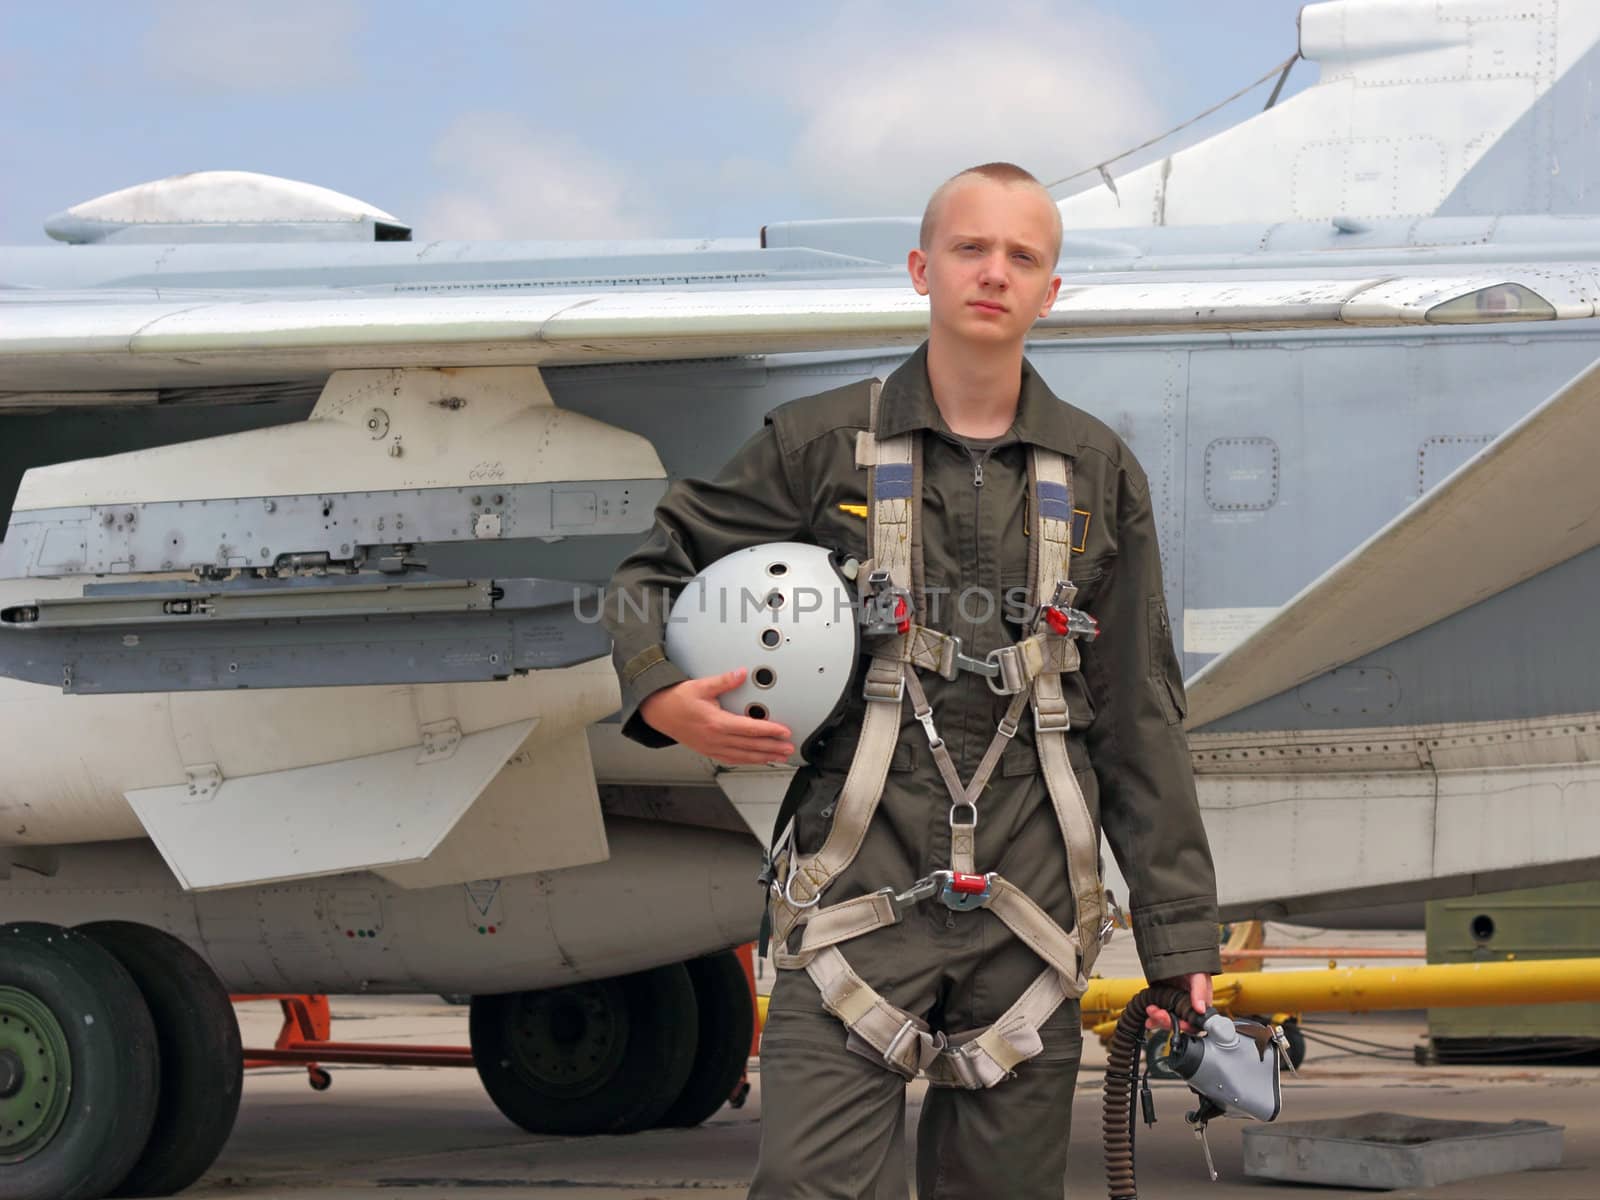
(750, 751)
(715, 685)
(729, 724)
(1158, 1018)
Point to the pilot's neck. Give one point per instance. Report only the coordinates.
(976, 388)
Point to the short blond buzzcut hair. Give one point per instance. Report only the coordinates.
(997, 172)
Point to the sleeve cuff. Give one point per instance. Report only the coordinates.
(1172, 966)
(1168, 948)
(656, 673)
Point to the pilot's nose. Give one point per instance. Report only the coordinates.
(993, 272)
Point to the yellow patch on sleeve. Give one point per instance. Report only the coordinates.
(855, 510)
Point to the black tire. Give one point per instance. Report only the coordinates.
(202, 1065)
(727, 1023)
(65, 1001)
(603, 1057)
(1295, 1036)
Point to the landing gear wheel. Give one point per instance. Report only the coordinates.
(602, 1057)
(1295, 1036)
(727, 1023)
(197, 1039)
(78, 1066)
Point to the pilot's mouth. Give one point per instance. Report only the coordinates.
(987, 306)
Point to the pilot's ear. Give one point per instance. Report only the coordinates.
(1050, 296)
(917, 268)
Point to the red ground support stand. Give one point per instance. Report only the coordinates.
(305, 1038)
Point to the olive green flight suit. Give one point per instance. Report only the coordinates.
(828, 1114)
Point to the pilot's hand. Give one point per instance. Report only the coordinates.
(688, 713)
(1198, 985)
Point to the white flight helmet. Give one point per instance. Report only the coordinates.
(783, 612)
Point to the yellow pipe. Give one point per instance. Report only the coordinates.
(1371, 989)
(1366, 989)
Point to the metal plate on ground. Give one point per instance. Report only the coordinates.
(1385, 1151)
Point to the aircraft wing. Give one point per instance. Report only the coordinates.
(56, 344)
(1526, 502)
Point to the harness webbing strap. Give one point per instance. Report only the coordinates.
(1052, 479)
(892, 511)
(837, 923)
(878, 1030)
(1030, 672)
(963, 825)
(985, 1057)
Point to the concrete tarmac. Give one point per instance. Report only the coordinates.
(432, 1132)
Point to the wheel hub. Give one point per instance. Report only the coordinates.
(10, 1074)
(35, 1074)
(569, 1041)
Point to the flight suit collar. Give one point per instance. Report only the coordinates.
(907, 404)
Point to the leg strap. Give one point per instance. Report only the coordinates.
(903, 1043)
(878, 1030)
(985, 1058)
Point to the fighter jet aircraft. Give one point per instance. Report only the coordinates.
(300, 682)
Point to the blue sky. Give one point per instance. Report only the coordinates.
(536, 120)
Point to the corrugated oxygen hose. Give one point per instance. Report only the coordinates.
(1122, 1070)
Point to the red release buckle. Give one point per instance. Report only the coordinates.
(1056, 619)
(968, 885)
(902, 618)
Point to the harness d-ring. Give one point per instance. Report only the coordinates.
(792, 902)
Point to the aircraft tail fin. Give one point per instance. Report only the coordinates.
(1423, 107)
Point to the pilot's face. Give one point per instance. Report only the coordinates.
(989, 270)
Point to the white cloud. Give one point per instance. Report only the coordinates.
(246, 45)
(912, 102)
(507, 180)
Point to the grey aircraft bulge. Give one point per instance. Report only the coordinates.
(304, 517)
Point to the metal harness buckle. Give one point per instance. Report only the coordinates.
(919, 891)
(956, 891)
(1062, 619)
(909, 1029)
(963, 893)
(885, 609)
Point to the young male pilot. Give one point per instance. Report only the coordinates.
(986, 261)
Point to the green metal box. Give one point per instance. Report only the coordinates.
(1548, 922)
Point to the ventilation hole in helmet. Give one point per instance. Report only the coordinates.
(774, 599)
(777, 568)
(770, 638)
(764, 677)
(758, 711)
